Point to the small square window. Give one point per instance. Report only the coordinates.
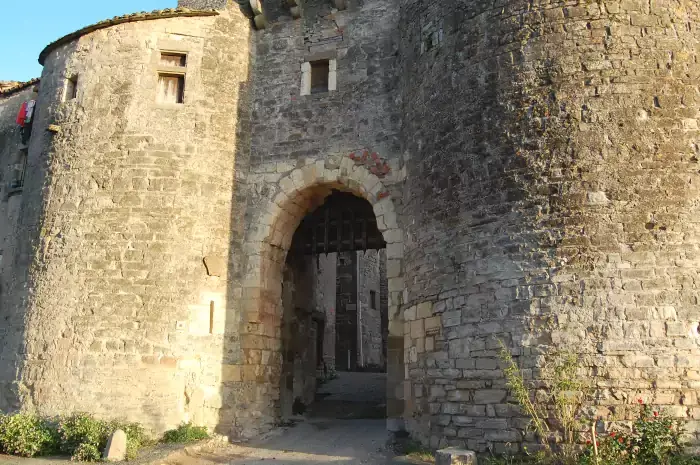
(171, 88)
(373, 300)
(71, 88)
(320, 71)
(177, 60)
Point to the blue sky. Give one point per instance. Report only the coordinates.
(26, 27)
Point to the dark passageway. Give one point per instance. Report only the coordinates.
(335, 324)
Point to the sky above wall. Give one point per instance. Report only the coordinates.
(26, 27)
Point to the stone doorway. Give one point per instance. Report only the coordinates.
(335, 313)
(268, 247)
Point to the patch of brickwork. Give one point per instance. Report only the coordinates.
(552, 185)
(361, 113)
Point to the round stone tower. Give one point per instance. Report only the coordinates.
(130, 190)
(552, 159)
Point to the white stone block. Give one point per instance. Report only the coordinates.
(455, 456)
(116, 447)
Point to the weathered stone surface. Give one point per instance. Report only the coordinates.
(116, 447)
(12, 258)
(141, 192)
(455, 456)
(216, 266)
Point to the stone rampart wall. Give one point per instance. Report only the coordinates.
(552, 183)
(132, 298)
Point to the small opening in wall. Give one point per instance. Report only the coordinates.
(19, 171)
(171, 88)
(71, 88)
(178, 60)
(211, 317)
(320, 71)
(373, 300)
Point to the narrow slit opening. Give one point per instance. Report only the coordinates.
(211, 317)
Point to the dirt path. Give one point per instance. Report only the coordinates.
(313, 442)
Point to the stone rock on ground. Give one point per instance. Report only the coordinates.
(116, 447)
(454, 456)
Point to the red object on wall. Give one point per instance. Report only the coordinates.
(22, 115)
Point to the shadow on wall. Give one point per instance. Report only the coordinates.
(235, 382)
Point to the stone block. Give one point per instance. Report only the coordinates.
(116, 447)
(432, 325)
(230, 373)
(425, 310)
(489, 396)
(455, 456)
(216, 266)
(417, 329)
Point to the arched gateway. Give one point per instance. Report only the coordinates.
(267, 243)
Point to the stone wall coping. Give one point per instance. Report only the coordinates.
(130, 18)
(18, 87)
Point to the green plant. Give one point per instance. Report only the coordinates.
(86, 452)
(83, 437)
(416, 451)
(554, 408)
(186, 433)
(80, 429)
(655, 439)
(566, 395)
(136, 437)
(26, 435)
(521, 392)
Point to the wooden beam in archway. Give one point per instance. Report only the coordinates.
(344, 223)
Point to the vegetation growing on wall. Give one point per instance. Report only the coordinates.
(570, 437)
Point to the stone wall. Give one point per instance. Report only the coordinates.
(11, 259)
(384, 304)
(324, 297)
(299, 335)
(347, 338)
(300, 149)
(370, 320)
(133, 224)
(552, 186)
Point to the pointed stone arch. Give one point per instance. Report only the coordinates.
(275, 219)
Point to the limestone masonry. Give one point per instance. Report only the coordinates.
(533, 168)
